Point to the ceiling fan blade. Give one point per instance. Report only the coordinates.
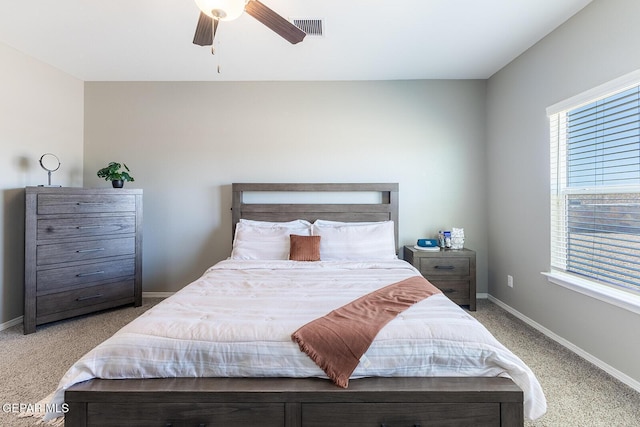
(204, 31)
(277, 23)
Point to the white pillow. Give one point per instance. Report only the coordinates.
(358, 241)
(263, 240)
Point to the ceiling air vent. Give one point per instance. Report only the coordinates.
(313, 27)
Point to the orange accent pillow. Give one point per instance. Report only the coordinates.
(304, 248)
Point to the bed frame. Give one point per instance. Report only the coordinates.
(299, 402)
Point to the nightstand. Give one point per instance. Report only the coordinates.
(451, 271)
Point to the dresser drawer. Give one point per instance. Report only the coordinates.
(444, 266)
(456, 290)
(186, 414)
(84, 203)
(63, 228)
(55, 279)
(85, 297)
(55, 253)
(400, 414)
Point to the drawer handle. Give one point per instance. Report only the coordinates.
(88, 227)
(89, 203)
(89, 297)
(82, 251)
(92, 273)
(448, 291)
(445, 267)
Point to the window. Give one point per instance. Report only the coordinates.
(595, 185)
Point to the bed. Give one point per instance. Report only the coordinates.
(184, 363)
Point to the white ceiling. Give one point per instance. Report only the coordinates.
(150, 40)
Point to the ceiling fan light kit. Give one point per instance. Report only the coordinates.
(213, 11)
(224, 10)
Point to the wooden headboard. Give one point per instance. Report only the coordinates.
(385, 209)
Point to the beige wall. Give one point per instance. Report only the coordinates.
(187, 142)
(597, 45)
(41, 110)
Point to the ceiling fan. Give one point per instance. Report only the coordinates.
(213, 11)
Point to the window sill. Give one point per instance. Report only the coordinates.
(626, 300)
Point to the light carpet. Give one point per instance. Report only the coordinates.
(578, 393)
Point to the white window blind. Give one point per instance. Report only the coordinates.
(595, 187)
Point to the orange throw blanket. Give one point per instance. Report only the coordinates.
(337, 341)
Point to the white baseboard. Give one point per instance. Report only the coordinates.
(18, 320)
(10, 323)
(157, 294)
(621, 376)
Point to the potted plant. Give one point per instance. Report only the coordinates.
(115, 173)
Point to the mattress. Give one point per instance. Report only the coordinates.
(236, 320)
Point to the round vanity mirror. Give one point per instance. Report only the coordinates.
(50, 163)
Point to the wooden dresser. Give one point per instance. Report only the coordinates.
(83, 252)
(451, 271)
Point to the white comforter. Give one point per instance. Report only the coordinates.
(237, 320)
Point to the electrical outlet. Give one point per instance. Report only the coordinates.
(509, 280)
